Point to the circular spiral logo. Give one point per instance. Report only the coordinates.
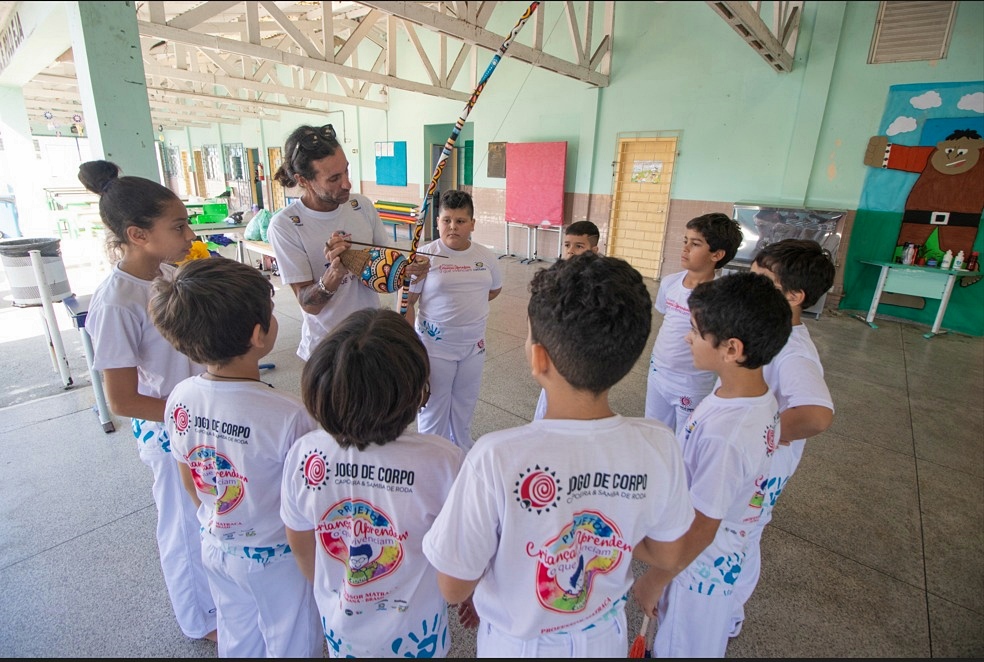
(181, 418)
(770, 440)
(315, 471)
(538, 489)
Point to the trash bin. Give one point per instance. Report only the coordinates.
(9, 224)
(17, 264)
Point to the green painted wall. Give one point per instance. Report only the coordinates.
(857, 98)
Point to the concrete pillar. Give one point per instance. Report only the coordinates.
(113, 87)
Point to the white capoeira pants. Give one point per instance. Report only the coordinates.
(692, 624)
(606, 638)
(671, 399)
(266, 607)
(179, 543)
(454, 389)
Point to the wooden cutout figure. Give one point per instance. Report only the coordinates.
(943, 210)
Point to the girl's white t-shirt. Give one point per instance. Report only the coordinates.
(124, 336)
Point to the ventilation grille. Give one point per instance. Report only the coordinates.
(910, 31)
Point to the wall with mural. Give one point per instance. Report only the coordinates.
(924, 185)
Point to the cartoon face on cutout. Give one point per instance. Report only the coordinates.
(957, 156)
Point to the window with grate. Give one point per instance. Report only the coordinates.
(910, 31)
(212, 160)
(169, 158)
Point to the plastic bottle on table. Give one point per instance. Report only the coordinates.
(947, 260)
(972, 263)
(958, 261)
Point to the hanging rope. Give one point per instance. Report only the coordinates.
(449, 145)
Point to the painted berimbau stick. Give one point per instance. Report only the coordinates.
(361, 243)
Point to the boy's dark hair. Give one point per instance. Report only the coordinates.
(746, 306)
(454, 199)
(123, 201)
(210, 309)
(584, 229)
(592, 314)
(800, 265)
(305, 145)
(720, 232)
(364, 381)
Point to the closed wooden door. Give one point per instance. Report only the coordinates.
(278, 198)
(641, 201)
(199, 173)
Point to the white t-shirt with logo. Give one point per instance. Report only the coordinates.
(377, 594)
(728, 445)
(298, 236)
(124, 336)
(671, 355)
(796, 377)
(454, 298)
(547, 515)
(234, 436)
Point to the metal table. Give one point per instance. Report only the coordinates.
(928, 282)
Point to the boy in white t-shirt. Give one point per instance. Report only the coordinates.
(674, 386)
(739, 323)
(359, 494)
(579, 237)
(544, 519)
(803, 271)
(453, 309)
(230, 433)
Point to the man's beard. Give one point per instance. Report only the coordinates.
(342, 199)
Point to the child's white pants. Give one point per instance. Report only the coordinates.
(606, 638)
(692, 624)
(265, 608)
(673, 400)
(179, 542)
(454, 389)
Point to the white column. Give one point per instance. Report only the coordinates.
(113, 86)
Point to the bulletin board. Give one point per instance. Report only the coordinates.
(391, 163)
(535, 183)
(497, 160)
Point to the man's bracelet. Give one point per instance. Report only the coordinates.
(324, 290)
